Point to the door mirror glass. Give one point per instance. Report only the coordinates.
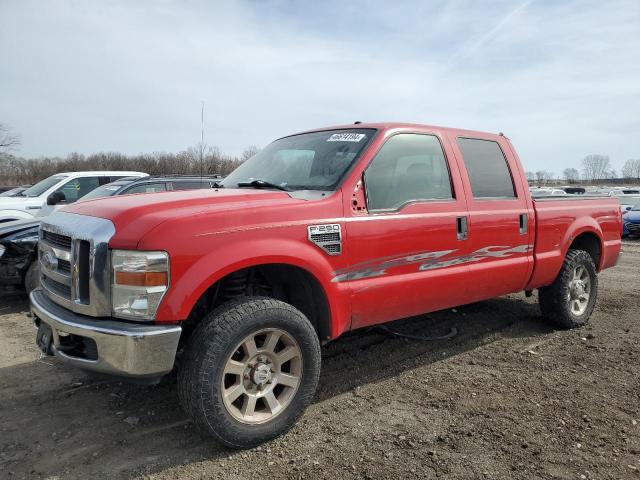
(56, 198)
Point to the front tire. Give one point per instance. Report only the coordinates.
(251, 367)
(32, 277)
(569, 301)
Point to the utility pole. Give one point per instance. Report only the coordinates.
(201, 137)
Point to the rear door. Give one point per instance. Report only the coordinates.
(404, 249)
(501, 219)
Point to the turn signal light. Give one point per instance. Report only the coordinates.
(142, 279)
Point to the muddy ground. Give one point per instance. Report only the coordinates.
(508, 397)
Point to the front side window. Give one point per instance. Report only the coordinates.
(487, 168)
(102, 191)
(78, 188)
(309, 161)
(408, 168)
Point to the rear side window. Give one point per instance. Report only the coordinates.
(189, 184)
(408, 168)
(487, 167)
(147, 188)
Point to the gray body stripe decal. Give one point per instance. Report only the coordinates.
(426, 260)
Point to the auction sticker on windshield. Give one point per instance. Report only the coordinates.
(346, 137)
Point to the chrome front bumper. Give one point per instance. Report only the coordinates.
(124, 349)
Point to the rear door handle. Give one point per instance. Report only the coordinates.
(524, 223)
(462, 227)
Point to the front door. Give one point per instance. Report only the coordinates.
(402, 251)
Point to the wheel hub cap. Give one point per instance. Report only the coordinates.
(261, 374)
(579, 290)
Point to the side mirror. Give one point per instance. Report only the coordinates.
(628, 208)
(55, 198)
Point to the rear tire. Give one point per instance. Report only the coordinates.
(569, 301)
(250, 369)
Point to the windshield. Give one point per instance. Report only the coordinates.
(309, 161)
(103, 191)
(42, 186)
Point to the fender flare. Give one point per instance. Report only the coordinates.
(587, 225)
(207, 270)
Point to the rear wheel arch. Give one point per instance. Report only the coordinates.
(590, 242)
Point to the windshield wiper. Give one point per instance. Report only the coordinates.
(259, 183)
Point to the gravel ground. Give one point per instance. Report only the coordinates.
(507, 397)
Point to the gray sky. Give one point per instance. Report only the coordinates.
(561, 79)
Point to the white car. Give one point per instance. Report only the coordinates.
(547, 192)
(57, 190)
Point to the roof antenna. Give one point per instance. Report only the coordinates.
(357, 122)
(201, 138)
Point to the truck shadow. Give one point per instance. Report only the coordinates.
(373, 355)
(54, 416)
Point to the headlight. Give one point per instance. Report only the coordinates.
(2, 249)
(138, 283)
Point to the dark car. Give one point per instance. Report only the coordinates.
(126, 186)
(631, 222)
(18, 239)
(18, 268)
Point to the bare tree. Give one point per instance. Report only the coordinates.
(596, 167)
(631, 169)
(543, 177)
(8, 141)
(571, 175)
(530, 176)
(15, 170)
(249, 152)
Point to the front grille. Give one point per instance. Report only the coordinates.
(58, 288)
(74, 262)
(57, 240)
(64, 267)
(633, 227)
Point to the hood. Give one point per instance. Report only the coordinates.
(135, 215)
(17, 203)
(8, 228)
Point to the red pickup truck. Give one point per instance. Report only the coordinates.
(318, 234)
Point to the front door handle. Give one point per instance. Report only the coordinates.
(462, 227)
(524, 223)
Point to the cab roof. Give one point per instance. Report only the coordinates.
(383, 126)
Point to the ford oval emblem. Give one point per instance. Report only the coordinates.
(50, 261)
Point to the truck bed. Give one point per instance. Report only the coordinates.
(560, 220)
